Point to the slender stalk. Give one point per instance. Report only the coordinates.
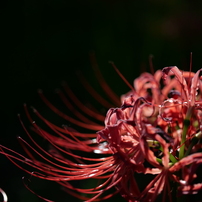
(184, 132)
(194, 141)
(172, 158)
(154, 143)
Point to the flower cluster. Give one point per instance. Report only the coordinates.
(157, 130)
(151, 145)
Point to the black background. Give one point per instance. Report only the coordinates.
(44, 42)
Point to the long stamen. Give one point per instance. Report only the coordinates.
(68, 118)
(121, 75)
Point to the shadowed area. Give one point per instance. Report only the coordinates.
(45, 42)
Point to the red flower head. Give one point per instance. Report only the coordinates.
(154, 135)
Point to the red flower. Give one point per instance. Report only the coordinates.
(156, 132)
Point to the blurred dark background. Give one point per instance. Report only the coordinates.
(44, 42)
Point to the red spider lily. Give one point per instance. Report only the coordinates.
(156, 132)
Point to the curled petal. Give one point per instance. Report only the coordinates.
(179, 76)
(194, 87)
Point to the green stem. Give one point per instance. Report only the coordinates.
(171, 157)
(159, 160)
(184, 131)
(194, 141)
(153, 143)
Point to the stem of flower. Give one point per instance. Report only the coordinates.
(194, 141)
(153, 143)
(159, 160)
(184, 132)
(171, 157)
